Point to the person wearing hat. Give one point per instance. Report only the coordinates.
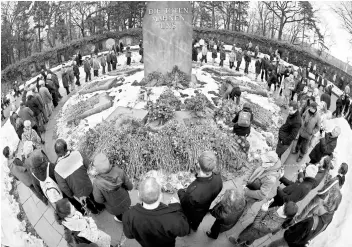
(30, 135)
(296, 191)
(152, 223)
(111, 186)
(268, 220)
(264, 178)
(22, 173)
(311, 123)
(72, 177)
(197, 198)
(47, 98)
(325, 146)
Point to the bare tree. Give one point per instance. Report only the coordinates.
(344, 11)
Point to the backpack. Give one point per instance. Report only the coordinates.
(244, 119)
(236, 92)
(50, 188)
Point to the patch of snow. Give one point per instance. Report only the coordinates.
(258, 144)
(264, 102)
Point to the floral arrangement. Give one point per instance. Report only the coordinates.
(226, 112)
(198, 104)
(174, 78)
(164, 108)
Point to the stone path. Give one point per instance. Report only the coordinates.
(42, 217)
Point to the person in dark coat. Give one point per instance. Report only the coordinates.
(239, 56)
(295, 191)
(247, 60)
(152, 223)
(267, 221)
(25, 113)
(76, 73)
(264, 68)
(72, 177)
(326, 146)
(110, 187)
(103, 63)
(53, 90)
(227, 212)
(301, 233)
(197, 198)
(339, 106)
(258, 66)
(121, 47)
(37, 108)
(87, 69)
(65, 80)
(289, 130)
(113, 61)
(272, 79)
(326, 97)
(239, 130)
(108, 60)
(194, 54)
(56, 83)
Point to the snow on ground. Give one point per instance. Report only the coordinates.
(337, 233)
(264, 102)
(258, 144)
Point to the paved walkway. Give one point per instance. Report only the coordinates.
(42, 217)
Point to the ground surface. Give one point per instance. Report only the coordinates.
(42, 217)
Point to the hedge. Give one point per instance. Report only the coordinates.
(296, 54)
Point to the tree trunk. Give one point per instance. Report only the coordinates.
(304, 26)
(281, 28)
(213, 16)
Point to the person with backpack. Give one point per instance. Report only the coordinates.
(84, 227)
(111, 186)
(242, 121)
(22, 173)
(72, 177)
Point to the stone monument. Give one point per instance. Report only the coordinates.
(167, 37)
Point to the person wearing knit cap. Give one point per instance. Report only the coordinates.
(296, 191)
(111, 186)
(30, 135)
(325, 146)
(311, 123)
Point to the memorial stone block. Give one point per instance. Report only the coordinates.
(167, 37)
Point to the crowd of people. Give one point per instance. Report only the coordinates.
(76, 186)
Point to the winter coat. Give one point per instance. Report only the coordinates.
(45, 94)
(266, 178)
(199, 195)
(310, 124)
(232, 56)
(65, 79)
(31, 135)
(272, 78)
(157, 227)
(42, 176)
(214, 53)
(39, 99)
(289, 130)
(87, 66)
(247, 58)
(20, 172)
(239, 56)
(222, 55)
(34, 105)
(113, 59)
(239, 130)
(96, 64)
(227, 220)
(71, 175)
(289, 86)
(25, 113)
(103, 61)
(264, 63)
(71, 74)
(326, 146)
(111, 189)
(327, 99)
(294, 192)
(76, 70)
(258, 66)
(299, 234)
(264, 223)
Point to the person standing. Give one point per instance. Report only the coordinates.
(110, 187)
(113, 61)
(72, 177)
(197, 198)
(289, 130)
(325, 146)
(272, 79)
(310, 126)
(326, 96)
(121, 47)
(53, 90)
(194, 54)
(152, 223)
(108, 60)
(264, 68)
(36, 108)
(25, 113)
(204, 54)
(71, 76)
(96, 66)
(247, 59)
(232, 58)
(128, 56)
(222, 57)
(239, 56)
(258, 66)
(47, 98)
(87, 69)
(256, 51)
(214, 54)
(76, 73)
(65, 79)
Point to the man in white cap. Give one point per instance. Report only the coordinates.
(296, 191)
(325, 146)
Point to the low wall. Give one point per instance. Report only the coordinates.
(31, 66)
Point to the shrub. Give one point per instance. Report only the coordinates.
(198, 104)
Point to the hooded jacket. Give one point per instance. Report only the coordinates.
(239, 130)
(111, 189)
(289, 130)
(65, 79)
(267, 177)
(155, 228)
(310, 124)
(326, 146)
